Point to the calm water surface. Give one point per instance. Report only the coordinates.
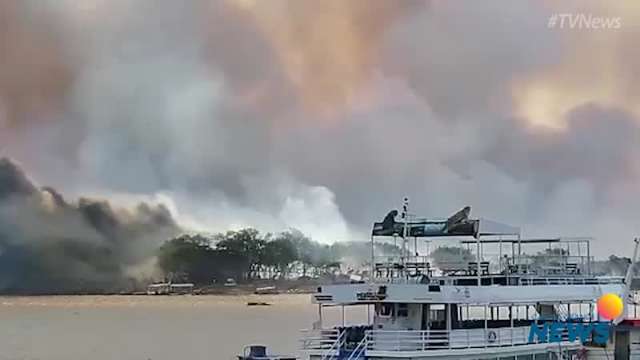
(153, 327)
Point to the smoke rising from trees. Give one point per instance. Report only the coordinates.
(323, 115)
(48, 245)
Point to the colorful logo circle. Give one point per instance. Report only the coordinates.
(610, 306)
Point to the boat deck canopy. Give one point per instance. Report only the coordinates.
(454, 226)
(527, 241)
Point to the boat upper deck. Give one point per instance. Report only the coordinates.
(475, 252)
(483, 291)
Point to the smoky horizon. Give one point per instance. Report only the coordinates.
(126, 123)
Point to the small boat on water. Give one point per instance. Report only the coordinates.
(259, 352)
(267, 290)
(258, 303)
(170, 289)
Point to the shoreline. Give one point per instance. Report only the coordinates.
(76, 303)
(218, 290)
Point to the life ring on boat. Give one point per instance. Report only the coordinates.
(492, 337)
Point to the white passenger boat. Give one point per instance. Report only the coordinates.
(482, 308)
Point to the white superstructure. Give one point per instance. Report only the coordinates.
(479, 303)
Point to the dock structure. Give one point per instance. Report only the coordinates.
(170, 289)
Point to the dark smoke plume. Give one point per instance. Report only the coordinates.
(322, 115)
(48, 245)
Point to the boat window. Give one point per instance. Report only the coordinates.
(471, 317)
(521, 312)
(531, 312)
(403, 310)
(522, 315)
(386, 309)
(502, 313)
(437, 317)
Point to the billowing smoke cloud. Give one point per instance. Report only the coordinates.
(322, 115)
(51, 246)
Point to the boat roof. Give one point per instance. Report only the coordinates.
(458, 224)
(441, 228)
(494, 228)
(527, 241)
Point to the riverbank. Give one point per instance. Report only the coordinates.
(281, 287)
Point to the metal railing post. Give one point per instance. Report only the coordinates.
(337, 344)
(511, 316)
(485, 326)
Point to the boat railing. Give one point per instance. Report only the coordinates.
(398, 259)
(520, 280)
(401, 266)
(632, 307)
(359, 351)
(568, 280)
(330, 342)
(325, 340)
(400, 340)
(547, 264)
(400, 280)
(334, 351)
(408, 340)
(552, 269)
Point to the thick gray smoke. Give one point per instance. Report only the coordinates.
(50, 246)
(323, 115)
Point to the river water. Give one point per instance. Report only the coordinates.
(155, 327)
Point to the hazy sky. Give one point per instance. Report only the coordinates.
(323, 115)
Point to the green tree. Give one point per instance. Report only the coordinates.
(187, 257)
(305, 248)
(280, 253)
(191, 258)
(247, 244)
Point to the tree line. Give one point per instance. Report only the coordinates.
(247, 255)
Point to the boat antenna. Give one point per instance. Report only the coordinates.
(405, 230)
